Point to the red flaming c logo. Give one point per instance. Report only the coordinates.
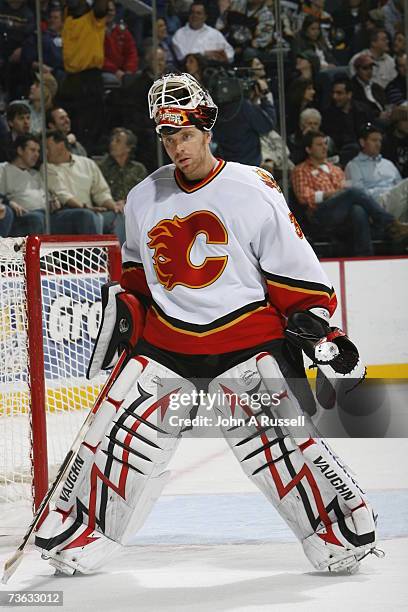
(172, 241)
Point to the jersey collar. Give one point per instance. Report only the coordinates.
(191, 186)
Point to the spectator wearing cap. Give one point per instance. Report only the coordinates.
(320, 187)
(395, 143)
(50, 91)
(365, 90)
(198, 37)
(396, 90)
(18, 122)
(384, 70)
(377, 176)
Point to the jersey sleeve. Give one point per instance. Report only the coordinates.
(133, 276)
(293, 274)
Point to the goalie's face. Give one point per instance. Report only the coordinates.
(188, 148)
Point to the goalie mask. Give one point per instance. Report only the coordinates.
(178, 100)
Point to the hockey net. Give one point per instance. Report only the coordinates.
(49, 315)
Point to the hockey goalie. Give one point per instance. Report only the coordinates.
(218, 283)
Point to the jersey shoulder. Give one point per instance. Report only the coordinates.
(251, 176)
(162, 174)
(255, 185)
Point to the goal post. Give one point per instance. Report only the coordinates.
(49, 315)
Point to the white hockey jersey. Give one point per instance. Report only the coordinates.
(223, 260)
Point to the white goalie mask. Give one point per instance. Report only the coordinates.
(178, 100)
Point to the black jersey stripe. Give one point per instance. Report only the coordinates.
(295, 283)
(183, 325)
(126, 265)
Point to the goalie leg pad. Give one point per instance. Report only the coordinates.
(298, 473)
(103, 417)
(122, 471)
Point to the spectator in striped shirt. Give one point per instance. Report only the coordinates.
(396, 90)
(331, 206)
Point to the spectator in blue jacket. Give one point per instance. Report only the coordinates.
(376, 176)
(52, 46)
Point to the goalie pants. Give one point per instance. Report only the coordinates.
(206, 367)
(120, 469)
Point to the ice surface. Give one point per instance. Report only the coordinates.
(244, 577)
(213, 543)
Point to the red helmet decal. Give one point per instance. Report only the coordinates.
(200, 117)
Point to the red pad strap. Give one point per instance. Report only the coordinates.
(137, 312)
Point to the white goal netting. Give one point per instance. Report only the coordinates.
(70, 276)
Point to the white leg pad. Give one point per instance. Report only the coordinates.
(298, 473)
(82, 549)
(118, 472)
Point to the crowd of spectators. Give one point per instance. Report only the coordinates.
(345, 68)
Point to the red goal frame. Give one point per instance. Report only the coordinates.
(39, 456)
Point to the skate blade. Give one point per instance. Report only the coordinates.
(60, 567)
(349, 565)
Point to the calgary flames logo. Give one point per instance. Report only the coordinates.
(268, 179)
(172, 241)
(298, 229)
